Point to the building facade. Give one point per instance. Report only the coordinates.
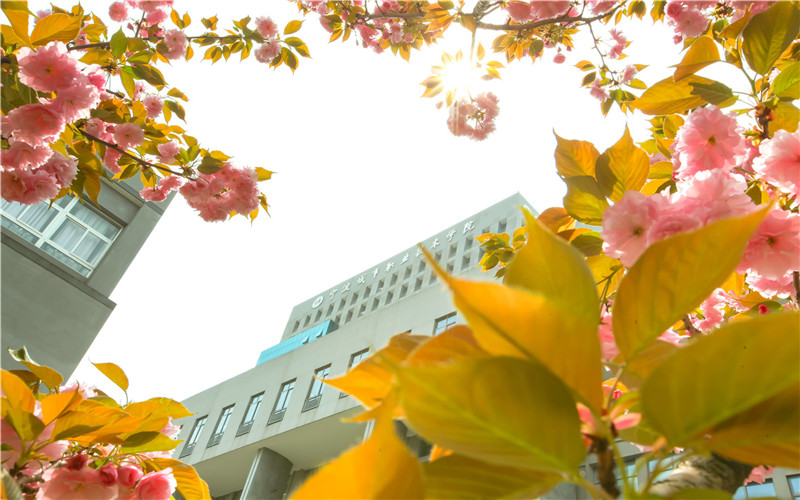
(261, 434)
(59, 266)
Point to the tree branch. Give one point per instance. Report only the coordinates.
(796, 284)
(713, 473)
(138, 160)
(565, 18)
(687, 323)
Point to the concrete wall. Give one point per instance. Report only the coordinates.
(51, 309)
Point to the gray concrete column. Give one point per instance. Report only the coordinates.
(268, 476)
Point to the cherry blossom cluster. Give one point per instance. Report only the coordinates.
(228, 190)
(482, 110)
(154, 13)
(689, 19)
(32, 172)
(712, 163)
(87, 474)
(524, 12)
(270, 49)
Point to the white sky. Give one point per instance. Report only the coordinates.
(365, 168)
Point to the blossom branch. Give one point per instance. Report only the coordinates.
(138, 160)
(687, 323)
(565, 18)
(796, 284)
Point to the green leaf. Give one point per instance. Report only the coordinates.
(715, 93)
(622, 167)
(56, 27)
(91, 182)
(174, 92)
(668, 96)
(574, 158)
(10, 487)
(589, 244)
(460, 477)
(788, 79)
(114, 373)
(142, 57)
(126, 76)
(676, 275)
(721, 375)
(176, 108)
(119, 43)
(210, 165)
(768, 34)
(50, 377)
(585, 200)
(292, 27)
(149, 74)
(702, 52)
(145, 442)
(26, 425)
(490, 409)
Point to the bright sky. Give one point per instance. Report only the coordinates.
(364, 168)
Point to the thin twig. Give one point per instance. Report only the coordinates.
(565, 18)
(796, 283)
(687, 323)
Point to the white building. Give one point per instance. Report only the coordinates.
(260, 434)
(59, 266)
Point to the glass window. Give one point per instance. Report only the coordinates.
(443, 323)
(282, 402)
(794, 486)
(194, 436)
(72, 232)
(250, 413)
(222, 424)
(755, 490)
(315, 390)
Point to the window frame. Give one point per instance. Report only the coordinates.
(246, 425)
(63, 215)
(221, 426)
(444, 320)
(194, 436)
(277, 414)
(315, 389)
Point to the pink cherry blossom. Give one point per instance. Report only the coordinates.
(162, 189)
(111, 160)
(712, 309)
(37, 124)
(598, 92)
(150, 6)
(628, 74)
(673, 338)
(96, 76)
(97, 128)
(268, 51)
(781, 287)
(66, 484)
(608, 345)
(128, 475)
(228, 190)
(482, 110)
(158, 16)
(619, 45)
(713, 195)
(546, 9)
(63, 169)
(600, 6)
(153, 105)
(625, 227)
(76, 101)
(108, 474)
(169, 151)
(708, 140)
(156, 485)
(688, 22)
(774, 248)
(520, 12)
(118, 12)
(21, 155)
(759, 474)
(779, 163)
(559, 58)
(176, 43)
(128, 135)
(266, 27)
(47, 69)
(28, 186)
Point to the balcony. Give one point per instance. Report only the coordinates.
(276, 416)
(244, 428)
(215, 439)
(312, 402)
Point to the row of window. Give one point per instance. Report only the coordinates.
(312, 401)
(73, 232)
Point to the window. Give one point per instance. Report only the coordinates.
(465, 263)
(794, 486)
(755, 490)
(380, 287)
(403, 291)
(282, 402)
(222, 424)
(444, 323)
(407, 273)
(319, 315)
(296, 326)
(367, 292)
(421, 266)
(393, 280)
(305, 323)
(438, 256)
(418, 284)
(501, 226)
(349, 316)
(450, 267)
(342, 303)
(194, 436)
(355, 359)
(354, 299)
(250, 414)
(375, 303)
(431, 278)
(74, 233)
(468, 243)
(452, 250)
(389, 297)
(315, 391)
(330, 310)
(363, 310)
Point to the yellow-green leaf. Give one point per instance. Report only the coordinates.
(785, 117)
(189, 483)
(56, 27)
(722, 375)
(114, 373)
(492, 409)
(17, 14)
(585, 200)
(668, 96)
(575, 158)
(148, 441)
(380, 467)
(765, 434)
(263, 174)
(787, 83)
(26, 424)
(511, 321)
(607, 273)
(768, 34)
(459, 477)
(17, 392)
(50, 377)
(674, 276)
(53, 405)
(292, 27)
(702, 52)
(622, 167)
